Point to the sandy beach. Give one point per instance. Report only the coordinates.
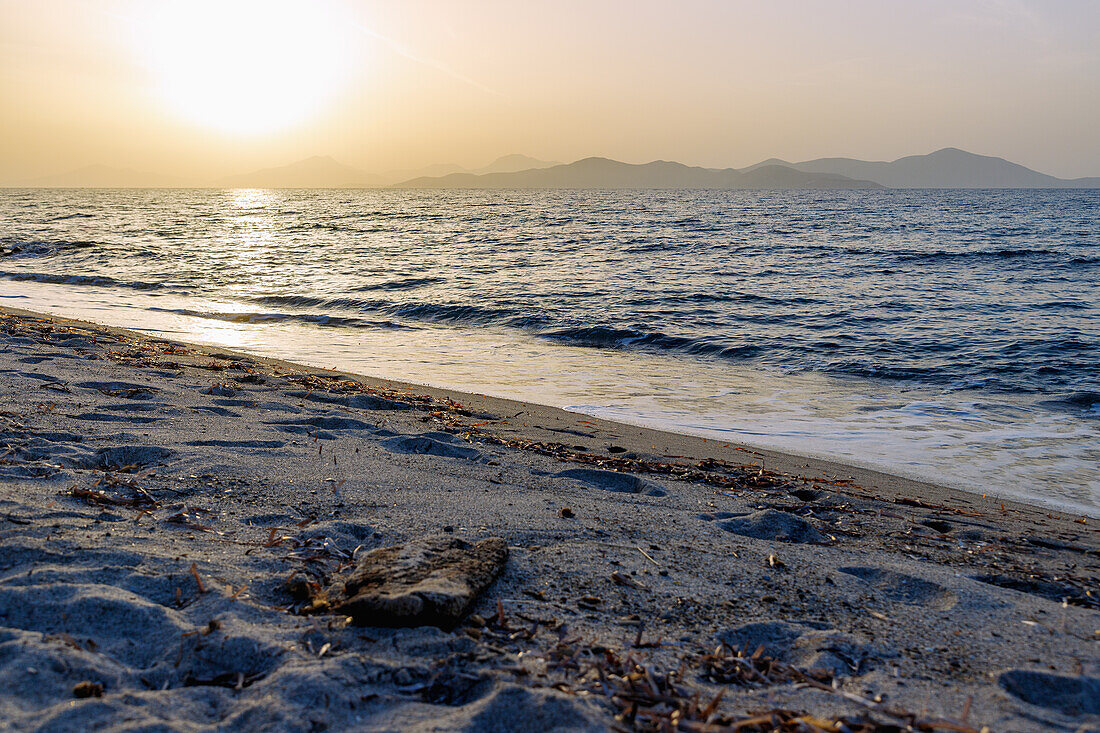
(198, 539)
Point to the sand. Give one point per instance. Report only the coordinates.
(170, 516)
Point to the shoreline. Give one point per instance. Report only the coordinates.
(181, 527)
(694, 445)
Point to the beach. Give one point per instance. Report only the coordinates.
(179, 523)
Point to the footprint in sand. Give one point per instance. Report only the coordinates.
(901, 588)
(1072, 695)
(320, 427)
(938, 525)
(109, 413)
(132, 636)
(431, 444)
(215, 410)
(357, 401)
(1052, 590)
(807, 646)
(141, 407)
(128, 455)
(238, 443)
(108, 417)
(613, 481)
(253, 404)
(126, 390)
(334, 422)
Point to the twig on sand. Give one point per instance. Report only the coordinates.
(198, 580)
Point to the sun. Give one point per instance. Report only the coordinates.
(245, 66)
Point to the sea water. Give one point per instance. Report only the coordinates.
(949, 335)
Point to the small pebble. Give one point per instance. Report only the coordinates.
(87, 689)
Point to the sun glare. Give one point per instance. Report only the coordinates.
(245, 66)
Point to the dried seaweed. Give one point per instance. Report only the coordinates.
(646, 700)
(137, 498)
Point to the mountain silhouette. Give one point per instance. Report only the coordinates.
(503, 164)
(606, 173)
(946, 168)
(512, 164)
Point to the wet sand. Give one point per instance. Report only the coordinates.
(172, 513)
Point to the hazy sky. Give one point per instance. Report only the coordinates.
(204, 88)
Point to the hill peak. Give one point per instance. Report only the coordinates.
(951, 152)
(317, 161)
(515, 158)
(514, 162)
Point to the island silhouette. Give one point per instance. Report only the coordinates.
(945, 168)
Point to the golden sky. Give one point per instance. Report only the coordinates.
(205, 88)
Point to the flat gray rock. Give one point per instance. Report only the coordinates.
(429, 581)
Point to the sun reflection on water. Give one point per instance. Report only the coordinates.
(249, 251)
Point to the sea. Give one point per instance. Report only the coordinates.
(945, 335)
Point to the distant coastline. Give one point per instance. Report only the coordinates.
(946, 168)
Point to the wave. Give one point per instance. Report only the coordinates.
(13, 247)
(1084, 404)
(674, 299)
(98, 281)
(875, 371)
(313, 226)
(824, 341)
(261, 318)
(325, 227)
(303, 301)
(900, 359)
(1064, 305)
(609, 337)
(915, 256)
(417, 311)
(541, 325)
(472, 314)
(407, 283)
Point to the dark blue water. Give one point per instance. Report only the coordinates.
(989, 293)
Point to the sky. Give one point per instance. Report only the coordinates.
(206, 88)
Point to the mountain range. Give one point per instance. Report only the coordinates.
(946, 168)
(605, 173)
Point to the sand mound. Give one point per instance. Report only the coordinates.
(772, 524)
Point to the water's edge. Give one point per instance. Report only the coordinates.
(840, 466)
